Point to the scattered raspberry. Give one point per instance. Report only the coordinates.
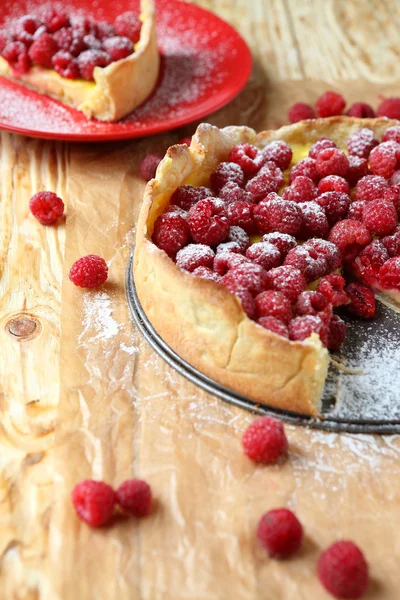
(370, 187)
(307, 168)
(392, 134)
(148, 168)
(262, 185)
(264, 254)
(370, 260)
(238, 236)
(275, 325)
(273, 304)
(92, 42)
(333, 183)
(55, 20)
(264, 441)
(358, 168)
(302, 328)
(208, 222)
(89, 271)
(186, 196)
(392, 243)
(280, 533)
(389, 274)
(361, 110)
(362, 142)
(384, 158)
(283, 241)
(332, 161)
(247, 276)
(128, 25)
(313, 303)
(118, 47)
(301, 190)
(42, 50)
(65, 65)
(389, 108)
(89, 60)
(193, 256)
(248, 157)
(241, 214)
(332, 287)
(330, 104)
(319, 145)
(317, 247)
(343, 571)
(206, 273)
(311, 264)
(301, 111)
(336, 333)
(224, 261)
(335, 205)
(226, 171)
(362, 301)
(350, 237)
(171, 233)
(17, 57)
(231, 192)
(47, 207)
(314, 222)
(134, 497)
(276, 214)
(278, 152)
(94, 502)
(379, 217)
(286, 279)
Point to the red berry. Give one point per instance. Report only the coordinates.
(171, 233)
(276, 214)
(301, 328)
(379, 217)
(241, 214)
(195, 255)
(228, 247)
(231, 192)
(275, 325)
(65, 65)
(89, 60)
(55, 20)
(238, 236)
(43, 49)
(206, 273)
(362, 142)
(383, 159)
(264, 254)
(134, 497)
(370, 260)
(311, 264)
(389, 274)
(301, 111)
(264, 441)
(128, 25)
(286, 279)
(148, 168)
(278, 152)
(280, 533)
(358, 168)
(273, 304)
(350, 237)
(392, 243)
(247, 276)
(105, 30)
(392, 195)
(47, 207)
(94, 502)
(361, 110)
(332, 287)
(226, 171)
(317, 248)
(330, 104)
(336, 333)
(245, 297)
(392, 134)
(301, 190)
(389, 108)
(118, 47)
(92, 42)
(89, 271)
(283, 241)
(27, 23)
(362, 301)
(224, 261)
(333, 183)
(248, 157)
(186, 196)
(313, 220)
(319, 145)
(16, 54)
(262, 185)
(69, 40)
(272, 170)
(356, 210)
(313, 303)
(83, 25)
(335, 205)
(370, 187)
(395, 178)
(332, 161)
(343, 571)
(306, 167)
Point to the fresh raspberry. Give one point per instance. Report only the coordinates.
(262, 185)
(28, 24)
(392, 243)
(118, 47)
(336, 333)
(171, 233)
(272, 170)
(314, 222)
(389, 274)
(362, 301)
(42, 50)
(94, 502)
(238, 236)
(65, 65)
(300, 111)
(105, 30)
(176, 210)
(128, 25)
(332, 161)
(311, 264)
(319, 145)
(350, 237)
(395, 178)
(384, 158)
(83, 25)
(195, 255)
(283, 241)
(317, 247)
(392, 133)
(89, 271)
(17, 57)
(301, 190)
(248, 157)
(330, 104)
(370, 260)
(208, 222)
(228, 247)
(206, 273)
(67, 39)
(186, 196)
(134, 497)
(333, 183)
(148, 168)
(247, 276)
(361, 143)
(226, 171)
(276, 214)
(231, 192)
(264, 441)
(361, 110)
(185, 140)
(241, 214)
(370, 187)
(55, 20)
(392, 195)
(92, 42)
(264, 254)
(335, 205)
(379, 217)
(358, 168)
(313, 303)
(389, 108)
(26, 38)
(47, 207)
(273, 304)
(343, 571)
(280, 533)
(89, 60)
(244, 295)
(275, 325)
(332, 287)
(278, 152)
(306, 167)
(224, 261)
(302, 328)
(286, 279)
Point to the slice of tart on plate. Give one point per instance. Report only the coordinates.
(244, 242)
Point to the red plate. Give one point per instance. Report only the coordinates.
(205, 63)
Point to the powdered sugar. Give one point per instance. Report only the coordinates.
(98, 317)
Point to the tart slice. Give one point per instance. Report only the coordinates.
(86, 65)
(243, 240)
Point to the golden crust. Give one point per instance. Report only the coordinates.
(201, 320)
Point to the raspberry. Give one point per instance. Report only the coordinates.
(278, 152)
(370, 260)
(94, 502)
(333, 183)
(264, 254)
(186, 196)
(306, 167)
(313, 303)
(238, 236)
(176, 210)
(17, 57)
(392, 243)
(336, 333)
(241, 214)
(311, 264)
(208, 222)
(332, 287)
(42, 50)
(389, 108)
(55, 20)
(301, 190)
(271, 169)
(27, 24)
(105, 30)
(314, 222)
(206, 273)
(245, 297)
(118, 47)
(195, 255)
(247, 276)
(379, 217)
(274, 325)
(362, 142)
(171, 233)
(358, 168)
(335, 205)
(283, 241)
(395, 178)
(332, 161)
(26, 38)
(247, 157)
(65, 65)
(89, 271)
(128, 25)
(286, 279)
(362, 301)
(134, 497)
(67, 39)
(148, 168)
(350, 237)
(228, 247)
(47, 207)
(262, 185)
(361, 110)
(389, 274)
(92, 42)
(280, 533)
(392, 133)
(276, 214)
(384, 158)
(302, 328)
(231, 192)
(89, 60)
(329, 251)
(300, 111)
(370, 187)
(226, 171)
(330, 104)
(319, 145)
(273, 304)
(83, 25)
(264, 441)
(392, 195)
(224, 261)
(343, 571)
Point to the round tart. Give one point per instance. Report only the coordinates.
(216, 303)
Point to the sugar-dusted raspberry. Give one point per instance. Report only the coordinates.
(231, 192)
(226, 171)
(228, 247)
(320, 145)
(283, 241)
(343, 570)
(83, 25)
(280, 533)
(69, 40)
(392, 195)
(248, 276)
(241, 214)
(55, 20)
(392, 243)
(134, 497)
(148, 168)
(261, 185)
(93, 502)
(370, 260)
(206, 273)
(238, 236)
(208, 222)
(389, 108)
(350, 237)
(275, 325)
(224, 261)
(389, 274)
(171, 233)
(269, 168)
(301, 190)
(332, 161)
(89, 60)
(274, 304)
(89, 271)
(330, 104)
(244, 295)
(301, 328)
(278, 152)
(370, 187)
(248, 157)
(177, 210)
(276, 214)
(384, 158)
(264, 254)
(361, 142)
(16, 54)
(379, 217)
(313, 303)
(65, 65)
(358, 168)
(92, 42)
(118, 47)
(47, 207)
(362, 301)
(395, 178)
(392, 133)
(195, 255)
(265, 441)
(329, 251)
(28, 23)
(314, 222)
(105, 30)
(335, 205)
(186, 196)
(361, 110)
(336, 333)
(300, 111)
(128, 25)
(332, 287)
(333, 183)
(311, 264)
(306, 167)
(286, 279)
(42, 50)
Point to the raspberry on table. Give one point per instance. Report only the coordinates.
(301, 190)
(275, 325)
(336, 333)
(93, 502)
(231, 192)
(370, 260)
(134, 496)
(389, 274)
(42, 50)
(286, 279)
(358, 168)
(379, 217)
(301, 328)
(313, 303)
(47, 207)
(276, 214)
(171, 233)
(306, 167)
(247, 276)
(89, 271)
(332, 161)
(264, 254)
(65, 65)
(208, 222)
(350, 237)
(392, 243)
(311, 264)
(248, 157)
(392, 134)
(206, 273)
(361, 110)
(241, 214)
(224, 261)
(261, 185)
(16, 54)
(389, 108)
(332, 287)
(343, 570)
(384, 158)
(273, 304)
(314, 222)
(118, 47)
(128, 25)
(280, 533)
(335, 205)
(195, 255)
(224, 173)
(329, 251)
(361, 142)
(148, 168)
(238, 236)
(186, 196)
(321, 144)
(265, 441)
(333, 183)
(278, 152)
(89, 60)
(362, 301)
(330, 104)
(370, 187)
(283, 241)
(300, 111)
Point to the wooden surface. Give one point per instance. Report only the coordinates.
(84, 396)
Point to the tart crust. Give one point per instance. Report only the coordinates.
(116, 90)
(200, 319)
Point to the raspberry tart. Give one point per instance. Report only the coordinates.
(248, 243)
(104, 70)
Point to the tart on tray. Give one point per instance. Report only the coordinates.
(247, 243)
(104, 70)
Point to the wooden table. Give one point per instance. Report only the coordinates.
(82, 395)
